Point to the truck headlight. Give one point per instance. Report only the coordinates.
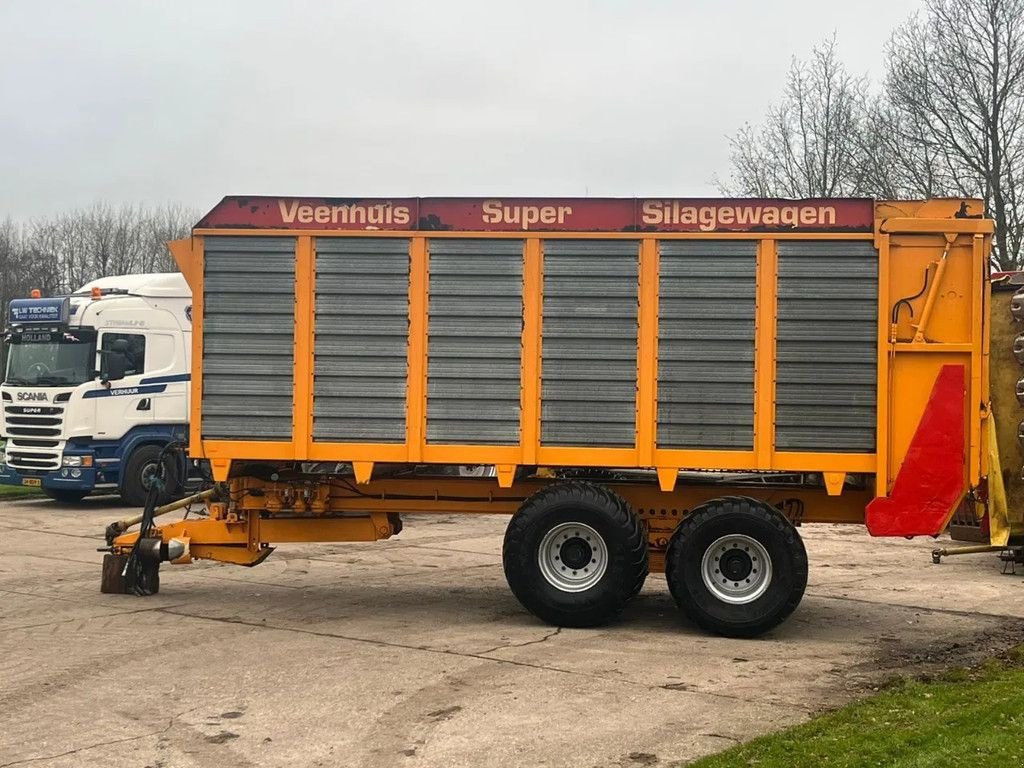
(71, 461)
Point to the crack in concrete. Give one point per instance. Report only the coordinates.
(544, 639)
(712, 735)
(495, 556)
(840, 583)
(90, 563)
(87, 619)
(475, 656)
(91, 536)
(925, 609)
(9, 591)
(685, 688)
(108, 743)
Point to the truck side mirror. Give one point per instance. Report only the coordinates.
(113, 365)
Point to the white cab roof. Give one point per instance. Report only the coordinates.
(156, 285)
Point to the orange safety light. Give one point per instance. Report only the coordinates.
(36, 293)
(97, 293)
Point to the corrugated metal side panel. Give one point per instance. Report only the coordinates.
(475, 344)
(248, 323)
(706, 303)
(361, 339)
(588, 388)
(826, 350)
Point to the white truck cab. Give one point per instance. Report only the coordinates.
(96, 385)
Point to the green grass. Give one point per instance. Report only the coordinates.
(965, 717)
(18, 492)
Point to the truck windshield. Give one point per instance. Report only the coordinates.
(50, 359)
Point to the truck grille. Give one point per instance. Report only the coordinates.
(33, 436)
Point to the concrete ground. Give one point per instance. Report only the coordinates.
(412, 652)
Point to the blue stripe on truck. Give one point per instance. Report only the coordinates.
(168, 379)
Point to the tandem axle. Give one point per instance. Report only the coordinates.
(576, 550)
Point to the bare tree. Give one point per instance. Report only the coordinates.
(899, 160)
(12, 266)
(169, 222)
(45, 254)
(809, 145)
(61, 253)
(955, 96)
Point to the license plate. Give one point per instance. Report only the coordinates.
(34, 482)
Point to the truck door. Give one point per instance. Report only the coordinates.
(123, 404)
(166, 379)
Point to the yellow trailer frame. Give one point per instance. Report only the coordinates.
(946, 239)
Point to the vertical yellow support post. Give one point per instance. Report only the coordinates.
(764, 353)
(647, 357)
(302, 408)
(981, 244)
(883, 359)
(416, 390)
(529, 406)
(977, 397)
(195, 438)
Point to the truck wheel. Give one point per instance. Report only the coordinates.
(575, 554)
(141, 466)
(65, 496)
(736, 567)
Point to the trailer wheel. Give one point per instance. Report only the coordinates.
(575, 554)
(736, 567)
(138, 471)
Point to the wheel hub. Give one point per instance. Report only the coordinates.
(736, 565)
(572, 557)
(576, 553)
(736, 569)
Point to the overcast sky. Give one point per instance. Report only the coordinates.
(190, 100)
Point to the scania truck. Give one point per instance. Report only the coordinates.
(96, 385)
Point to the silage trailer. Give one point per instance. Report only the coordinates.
(669, 385)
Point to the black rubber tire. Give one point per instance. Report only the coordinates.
(65, 497)
(142, 461)
(753, 518)
(607, 513)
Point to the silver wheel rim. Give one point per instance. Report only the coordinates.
(736, 569)
(146, 476)
(572, 557)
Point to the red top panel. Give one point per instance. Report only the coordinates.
(557, 214)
